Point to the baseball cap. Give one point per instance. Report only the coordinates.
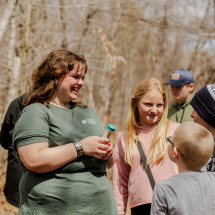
(180, 77)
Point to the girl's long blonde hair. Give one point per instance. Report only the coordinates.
(158, 146)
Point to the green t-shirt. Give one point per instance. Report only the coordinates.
(79, 187)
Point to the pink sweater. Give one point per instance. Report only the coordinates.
(134, 182)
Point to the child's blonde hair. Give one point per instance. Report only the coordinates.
(195, 143)
(158, 146)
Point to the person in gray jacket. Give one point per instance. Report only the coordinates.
(191, 192)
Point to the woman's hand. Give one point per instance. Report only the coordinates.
(109, 151)
(111, 155)
(95, 146)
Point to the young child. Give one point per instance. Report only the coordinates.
(204, 114)
(191, 192)
(182, 86)
(147, 120)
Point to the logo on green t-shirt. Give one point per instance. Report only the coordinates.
(89, 121)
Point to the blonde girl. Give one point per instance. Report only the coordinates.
(146, 121)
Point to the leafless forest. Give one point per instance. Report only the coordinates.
(124, 41)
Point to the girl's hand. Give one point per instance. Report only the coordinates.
(109, 151)
(95, 146)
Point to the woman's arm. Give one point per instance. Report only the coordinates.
(39, 158)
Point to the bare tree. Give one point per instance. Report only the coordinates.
(14, 64)
(6, 17)
(124, 41)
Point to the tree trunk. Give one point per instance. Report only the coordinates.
(62, 16)
(25, 54)
(12, 44)
(6, 17)
(13, 66)
(14, 82)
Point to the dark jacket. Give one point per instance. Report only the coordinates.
(14, 168)
(210, 166)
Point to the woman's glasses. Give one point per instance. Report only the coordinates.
(168, 140)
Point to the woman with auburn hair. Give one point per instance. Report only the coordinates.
(147, 123)
(60, 144)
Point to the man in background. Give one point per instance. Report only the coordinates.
(14, 168)
(182, 87)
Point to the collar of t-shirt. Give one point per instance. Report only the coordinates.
(179, 106)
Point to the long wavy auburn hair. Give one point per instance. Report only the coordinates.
(56, 64)
(158, 145)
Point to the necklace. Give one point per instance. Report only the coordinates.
(59, 103)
